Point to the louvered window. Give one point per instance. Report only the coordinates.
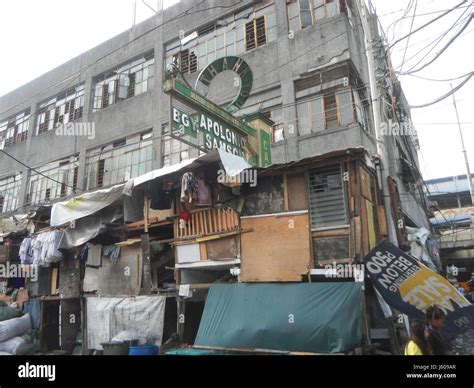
(327, 197)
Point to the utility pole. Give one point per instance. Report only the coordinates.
(466, 159)
(376, 111)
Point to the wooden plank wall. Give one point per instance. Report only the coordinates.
(278, 248)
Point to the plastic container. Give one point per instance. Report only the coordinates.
(144, 350)
(115, 348)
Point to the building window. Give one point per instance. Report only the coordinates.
(231, 36)
(9, 193)
(120, 161)
(60, 109)
(186, 61)
(277, 130)
(327, 197)
(126, 81)
(14, 129)
(174, 151)
(52, 181)
(304, 13)
(360, 107)
(331, 116)
(319, 112)
(255, 33)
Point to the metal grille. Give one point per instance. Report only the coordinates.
(327, 197)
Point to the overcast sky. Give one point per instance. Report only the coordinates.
(38, 35)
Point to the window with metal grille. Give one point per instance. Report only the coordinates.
(255, 33)
(226, 37)
(60, 109)
(14, 129)
(9, 193)
(186, 61)
(119, 161)
(52, 181)
(327, 197)
(128, 80)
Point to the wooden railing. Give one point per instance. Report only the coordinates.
(207, 221)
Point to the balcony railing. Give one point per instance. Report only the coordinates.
(207, 221)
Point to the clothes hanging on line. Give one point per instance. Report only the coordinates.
(188, 188)
(112, 251)
(41, 249)
(26, 253)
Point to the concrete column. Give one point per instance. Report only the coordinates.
(158, 97)
(287, 84)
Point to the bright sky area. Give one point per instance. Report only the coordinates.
(37, 36)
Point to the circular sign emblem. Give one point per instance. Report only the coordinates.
(236, 64)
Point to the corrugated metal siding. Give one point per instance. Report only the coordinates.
(327, 197)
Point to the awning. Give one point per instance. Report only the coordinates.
(301, 317)
(232, 164)
(90, 203)
(84, 205)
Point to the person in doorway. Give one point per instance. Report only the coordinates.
(418, 344)
(434, 319)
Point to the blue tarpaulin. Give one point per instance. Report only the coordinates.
(302, 317)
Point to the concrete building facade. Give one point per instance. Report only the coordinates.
(310, 75)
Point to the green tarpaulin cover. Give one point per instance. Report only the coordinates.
(303, 317)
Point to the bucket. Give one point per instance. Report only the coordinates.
(144, 350)
(115, 348)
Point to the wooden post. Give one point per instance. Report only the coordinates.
(181, 309)
(146, 282)
(147, 204)
(366, 316)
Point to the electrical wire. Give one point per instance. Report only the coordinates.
(434, 42)
(444, 95)
(408, 39)
(438, 54)
(427, 24)
(441, 80)
(38, 172)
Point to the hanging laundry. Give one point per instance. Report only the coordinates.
(161, 196)
(188, 188)
(112, 251)
(26, 252)
(44, 248)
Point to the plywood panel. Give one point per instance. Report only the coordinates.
(223, 248)
(370, 224)
(278, 248)
(364, 229)
(69, 277)
(297, 192)
(124, 276)
(365, 183)
(382, 221)
(357, 235)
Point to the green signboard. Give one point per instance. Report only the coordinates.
(211, 126)
(214, 133)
